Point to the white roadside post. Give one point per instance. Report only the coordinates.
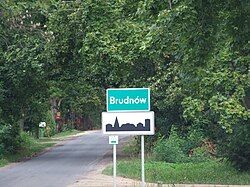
(142, 162)
(114, 167)
(114, 140)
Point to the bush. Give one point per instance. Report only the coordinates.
(13, 141)
(200, 154)
(133, 148)
(26, 140)
(190, 148)
(67, 127)
(237, 150)
(193, 140)
(9, 138)
(170, 150)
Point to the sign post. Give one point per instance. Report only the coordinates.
(114, 140)
(114, 165)
(128, 112)
(142, 162)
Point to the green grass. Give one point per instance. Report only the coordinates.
(34, 146)
(211, 172)
(3, 162)
(66, 133)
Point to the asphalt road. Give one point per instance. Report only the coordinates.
(60, 166)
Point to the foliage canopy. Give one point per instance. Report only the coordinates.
(194, 55)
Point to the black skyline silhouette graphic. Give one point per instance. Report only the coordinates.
(128, 126)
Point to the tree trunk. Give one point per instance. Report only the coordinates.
(55, 105)
(170, 4)
(21, 121)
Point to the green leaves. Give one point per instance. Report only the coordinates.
(194, 55)
(229, 111)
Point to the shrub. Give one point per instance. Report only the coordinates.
(133, 148)
(200, 154)
(193, 140)
(67, 127)
(170, 150)
(190, 148)
(237, 150)
(9, 138)
(26, 140)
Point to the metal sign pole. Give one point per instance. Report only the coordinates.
(114, 165)
(142, 162)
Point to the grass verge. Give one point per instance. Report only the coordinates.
(34, 146)
(65, 134)
(211, 172)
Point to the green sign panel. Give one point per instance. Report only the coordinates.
(128, 99)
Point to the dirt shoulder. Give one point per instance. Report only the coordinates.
(97, 179)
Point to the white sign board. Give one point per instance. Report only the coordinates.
(42, 124)
(136, 123)
(113, 140)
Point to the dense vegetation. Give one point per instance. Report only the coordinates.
(60, 56)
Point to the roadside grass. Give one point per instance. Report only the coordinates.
(66, 133)
(210, 172)
(3, 162)
(34, 146)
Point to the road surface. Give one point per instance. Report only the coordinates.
(60, 166)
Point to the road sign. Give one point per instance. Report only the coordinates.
(128, 99)
(113, 140)
(128, 112)
(137, 123)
